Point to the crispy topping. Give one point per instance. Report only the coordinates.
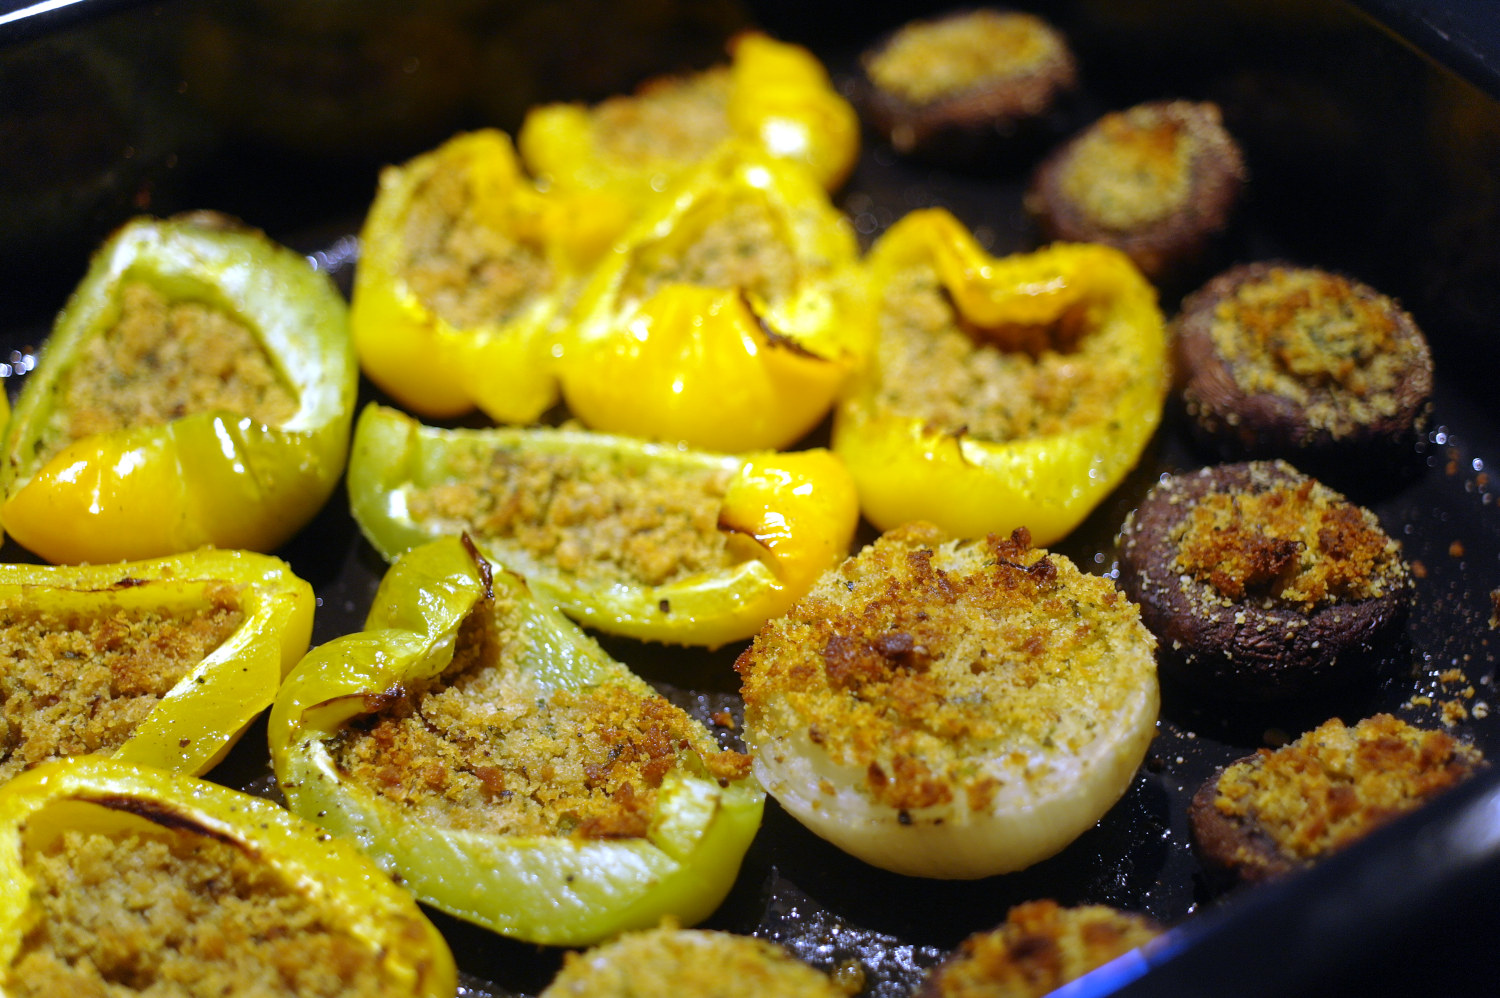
(672, 961)
(603, 522)
(1299, 543)
(678, 118)
(1330, 345)
(163, 359)
(178, 913)
(1039, 948)
(738, 245)
(929, 60)
(991, 386)
(467, 261)
(485, 748)
(73, 683)
(1335, 784)
(1134, 167)
(916, 658)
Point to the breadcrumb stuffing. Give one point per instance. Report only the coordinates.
(1301, 544)
(1133, 167)
(677, 118)
(688, 962)
(483, 747)
(602, 522)
(73, 682)
(162, 359)
(175, 914)
(928, 664)
(465, 259)
(927, 61)
(738, 244)
(994, 385)
(1333, 348)
(1040, 947)
(1336, 783)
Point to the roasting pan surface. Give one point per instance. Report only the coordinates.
(1373, 134)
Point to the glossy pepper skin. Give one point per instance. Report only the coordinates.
(550, 889)
(780, 101)
(908, 469)
(201, 718)
(108, 796)
(728, 368)
(208, 478)
(431, 365)
(787, 516)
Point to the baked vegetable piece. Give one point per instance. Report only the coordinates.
(1037, 949)
(727, 317)
(772, 96)
(1002, 393)
(196, 390)
(1282, 810)
(1302, 364)
(656, 542)
(951, 708)
(117, 879)
(966, 84)
(478, 745)
(465, 269)
(675, 961)
(160, 662)
(1159, 180)
(1261, 583)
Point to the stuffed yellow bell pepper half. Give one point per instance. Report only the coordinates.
(197, 389)
(162, 662)
(771, 95)
(476, 743)
(464, 269)
(726, 316)
(647, 540)
(1002, 393)
(122, 879)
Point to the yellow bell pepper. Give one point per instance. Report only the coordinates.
(209, 476)
(375, 933)
(1030, 392)
(197, 719)
(464, 269)
(725, 317)
(772, 95)
(782, 519)
(532, 747)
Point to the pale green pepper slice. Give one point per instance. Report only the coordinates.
(459, 821)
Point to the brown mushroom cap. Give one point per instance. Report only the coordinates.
(1302, 364)
(1247, 629)
(1159, 181)
(949, 98)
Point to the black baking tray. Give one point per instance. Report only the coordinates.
(1372, 132)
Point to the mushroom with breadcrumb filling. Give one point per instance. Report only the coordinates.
(1261, 583)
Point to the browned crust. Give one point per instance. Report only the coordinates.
(1340, 783)
(1241, 425)
(1038, 948)
(1249, 649)
(967, 125)
(1168, 248)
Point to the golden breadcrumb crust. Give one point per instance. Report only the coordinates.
(162, 359)
(74, 683)
(599, 522)
(484, 748)
(1040, 947)
(175, 914)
